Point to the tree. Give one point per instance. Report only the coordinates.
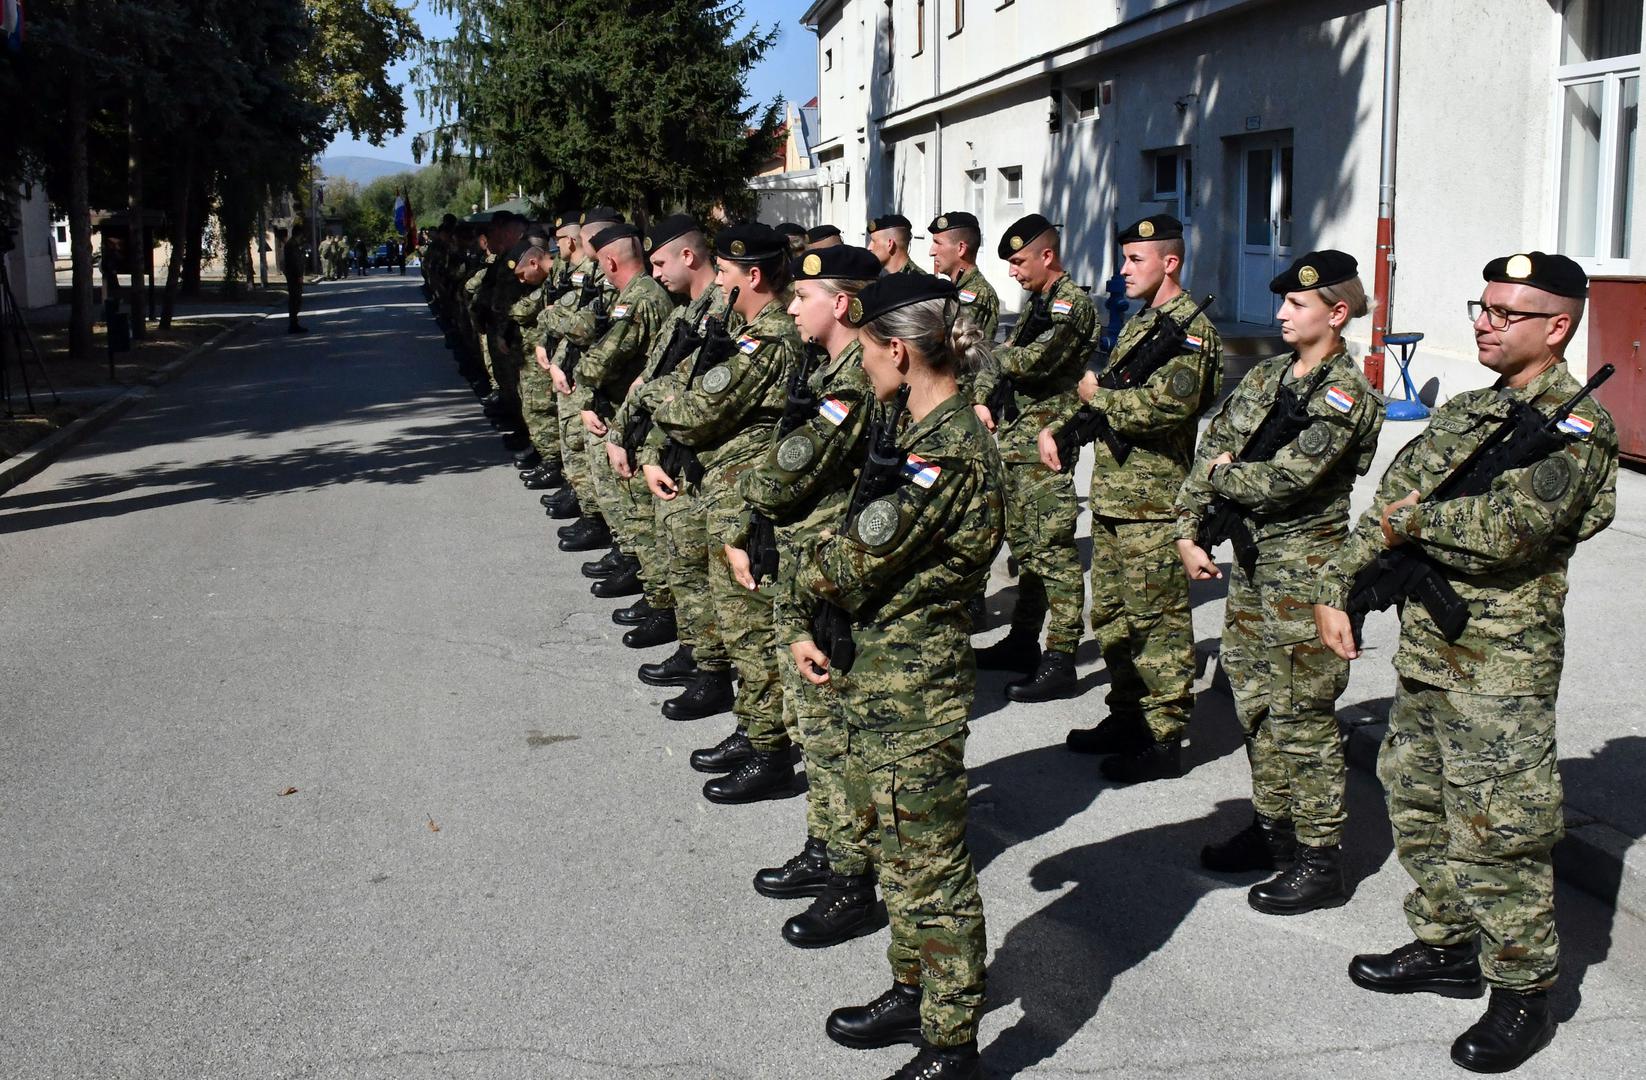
(347, 69)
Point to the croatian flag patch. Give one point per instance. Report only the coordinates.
(833, 411)
(1194, 342)
(620, 311)
(577, 279)
(1338, 400)
(1062, 307)
(747, 344)
(921, 471)
(967, 296)
(1578, 426)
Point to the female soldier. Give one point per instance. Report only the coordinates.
(803, 486)
(1291, 500)
(903, 565)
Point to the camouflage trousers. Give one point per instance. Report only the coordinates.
(537, 403)
(744, 616)
(504, 364)
(1286, 685)
(626, 506)
(1140, 615)
(574, 454)
(1475, 804)
(684, 548)
(1041, 508)
(917, 788)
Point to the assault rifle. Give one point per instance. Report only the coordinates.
(1405, 573)
(800, 406)
(881, 474)
(1287, 418)
(680, 461)
(682, 343)
(1002, 403)
(1163, 341)
(589, 294)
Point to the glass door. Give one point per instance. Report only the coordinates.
(1265, 224)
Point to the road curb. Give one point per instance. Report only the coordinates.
(32, 461)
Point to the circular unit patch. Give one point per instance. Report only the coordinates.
(1551, 477)
(717, 379)
(878, 522)
(1314, 440)
(1183, 383)
(795, 453)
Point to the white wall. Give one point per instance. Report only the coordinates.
(30, 267)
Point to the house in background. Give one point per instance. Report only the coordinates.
(29, 265)
(787, 187)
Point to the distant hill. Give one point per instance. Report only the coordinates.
(363, 170)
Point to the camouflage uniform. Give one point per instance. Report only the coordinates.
(912, 267)
(606, 370)
(979, 301)
(499, 291)
(572, 323)
(1469, 763)
(1286, 682)
(1140, 596)
(727, 415)
(467, 294)
(907, 698)
(1041, 506)
(537, 396)
(804, 485)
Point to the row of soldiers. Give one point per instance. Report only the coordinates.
(785, 440)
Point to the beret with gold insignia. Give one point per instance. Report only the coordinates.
(855, 263)
(671, 229)
(1024, 231)
(569, 219)
(751, 243)
(1315, 270)
(897, 290)
(888, 221)
(1552, 273)
(1153, 227)
(954, 219)
(602, 213)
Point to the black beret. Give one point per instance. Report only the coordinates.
(602, 213)
(1316, 270)
(518, 252)
(820, 232)
(958, 219)
(897, 290)
(448, 220)
(1023, 232)
(789, 228)
(1153, 227)
(543, 234)
(837, 262)
(751, 243)
(567, 217)
(889, 221)
(613, 234)
(505, 217)
(1552, 273)
(671, 229)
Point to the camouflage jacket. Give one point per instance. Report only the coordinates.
(574, 320)
(611, 364)
(1159, 418)
(980, 302)
(525, 310)
(816, 460)
(1044, 372)
(911, 267)
(548, 319)
(906, 569)
(691, 314)
(1505, 552)
(1296, 503)
(728, 412)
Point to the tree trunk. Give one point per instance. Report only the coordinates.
(263, 243)
(138, 244)
(196, 233)
(183, 184)
(81, 344)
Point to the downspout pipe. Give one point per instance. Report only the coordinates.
(1383, 282)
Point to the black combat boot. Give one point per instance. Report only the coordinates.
(1418, 967)
(589, 534)
(492, 404)
(843, 910)
(1266, 844)
(891, 1018)
(564, 504)
(658, 630)
(803, 875)
(1152, 761)
(607, 565)
(708, 694)
(943, 1063)
(626, 582)
(528, 459)
(1117, 733)
(1019, 650)
(544, 477)
(678, 670)
(1314, 881)
(1517, 1025)
(515, 440)
(768, 774)
(723, 756)
(633, 615)
(1053, 679)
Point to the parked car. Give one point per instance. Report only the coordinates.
(382, 256)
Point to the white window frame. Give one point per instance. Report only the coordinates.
(1610, 73)
(1072, 104)
(1006, 178)
(1184, 158)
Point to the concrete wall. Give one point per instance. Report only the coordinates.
(29, 265)
(789, 197)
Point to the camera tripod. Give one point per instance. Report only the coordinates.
(14, 326)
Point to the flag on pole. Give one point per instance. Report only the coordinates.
(405, 222)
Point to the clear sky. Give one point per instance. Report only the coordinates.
(790, 69)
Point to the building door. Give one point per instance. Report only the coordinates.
(1265, 224)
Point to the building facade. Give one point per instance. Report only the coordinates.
(1260, 124)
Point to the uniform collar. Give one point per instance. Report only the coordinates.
(934, 420)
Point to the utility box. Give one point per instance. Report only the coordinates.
(1617, 330)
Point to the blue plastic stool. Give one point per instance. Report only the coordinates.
(1409, 408)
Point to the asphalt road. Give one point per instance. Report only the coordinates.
(308, 566)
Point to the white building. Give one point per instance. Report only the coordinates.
(1259, 123)
(30, 266)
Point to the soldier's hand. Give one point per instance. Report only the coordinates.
(813, 664)
(542, 356)
(658, 482)
(982, 412)
(619, 458)
(1335, 632)
(639, 380)
(1046, 443)
(1390, 537)
(740, 567)
(559, 378)
(1196, 563)
(592, 423)
(1087, 388)
(1224, 458)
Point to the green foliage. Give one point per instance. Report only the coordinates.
(347, 69)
